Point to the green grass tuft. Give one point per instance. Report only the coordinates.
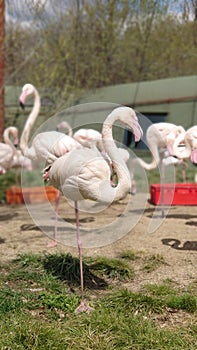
(129, 255)
(160, 290)
(182, 302)
(38, 312)
(113, 268)
(153, 262)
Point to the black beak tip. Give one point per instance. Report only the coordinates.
(22, 105)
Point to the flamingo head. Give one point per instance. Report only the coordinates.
(27, 90)
(129, 118)
(193, 157)
(14, 131)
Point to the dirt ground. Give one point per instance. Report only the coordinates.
(175, 238)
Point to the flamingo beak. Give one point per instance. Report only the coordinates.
(170, 149)
(138, 132)
(193, 157)
(22, 105)
(16, 142)
(22, 99)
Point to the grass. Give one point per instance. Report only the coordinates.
(39, 293)
(152, 262)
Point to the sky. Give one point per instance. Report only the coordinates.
(20, 10)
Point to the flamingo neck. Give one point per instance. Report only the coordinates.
(118, 162)
(30, 122)
(154, 149)
(177, 150)
(147, 166)
(7, 140)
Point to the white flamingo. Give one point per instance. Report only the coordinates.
(85, 174)
(49, 145)
(189, 146)
(46, 146)
(86, 137)
(8, 149)
(65, 126)
(189, 139)
(91, 138)
(160, 140)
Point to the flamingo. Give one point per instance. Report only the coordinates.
(85, 174)
(189, 141)
(91, 138)
(46, 146)
(160, 139)
(7, 149)
(86, 137)
(65, 125)
(49, 145)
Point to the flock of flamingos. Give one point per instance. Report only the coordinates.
(80, 165)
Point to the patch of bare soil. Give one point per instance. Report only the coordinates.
(175, 239)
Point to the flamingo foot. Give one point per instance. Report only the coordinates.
(83, 307)
(52, 244)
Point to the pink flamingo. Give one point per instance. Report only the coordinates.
(185, 146)
(160, 139)
(85, 174)
(46, 146)
(189, 141)
(86, 137)
(92, 138)
(7, 149)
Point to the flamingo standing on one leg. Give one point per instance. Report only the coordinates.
(46, 146)
(85, 174)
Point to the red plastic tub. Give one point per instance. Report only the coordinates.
(17, 195)
(174, 194)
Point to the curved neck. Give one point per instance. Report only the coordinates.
(148, 166)
(65, 125)
(7, 132)
(178, 152)
(30, 122)
(119, 165)
(153, 148)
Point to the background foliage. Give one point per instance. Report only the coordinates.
(72, 46)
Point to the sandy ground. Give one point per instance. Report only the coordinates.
(121, 227)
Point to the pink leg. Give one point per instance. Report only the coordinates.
(16, 177)
(83, 307)
(184, 165)
(162, 187)
(54, 242)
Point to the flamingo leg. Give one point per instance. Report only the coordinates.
(83, 307)
(162, 187)
(16, 177)
(184, 165)
(57, 200)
